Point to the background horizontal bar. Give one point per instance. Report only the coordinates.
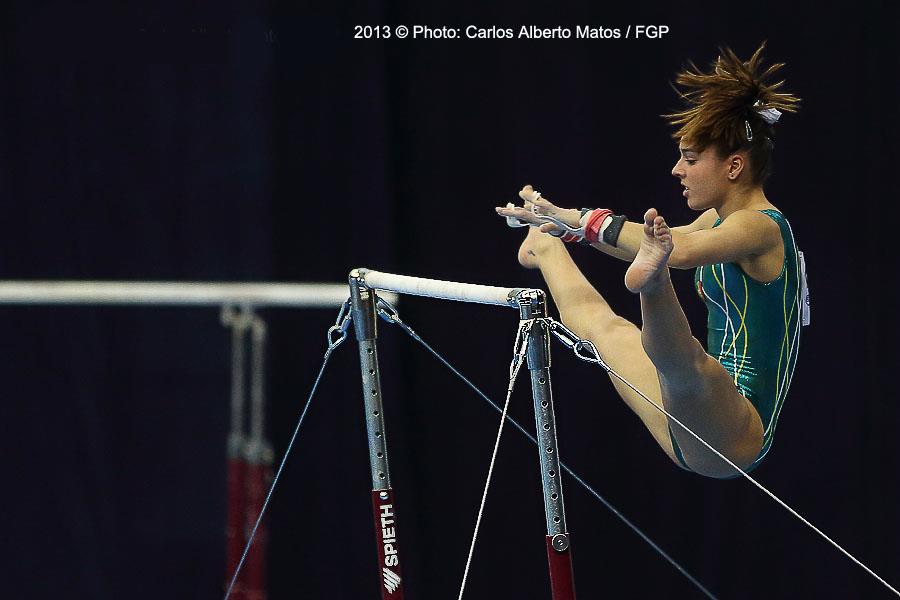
(176, 293)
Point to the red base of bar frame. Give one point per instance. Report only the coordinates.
(254, 576)
(235, 525)
(562, 577)
(386, 539)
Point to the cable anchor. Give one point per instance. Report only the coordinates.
(337, 333)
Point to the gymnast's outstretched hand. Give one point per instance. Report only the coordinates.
(536, 206)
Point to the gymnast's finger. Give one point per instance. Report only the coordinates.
(518, 213)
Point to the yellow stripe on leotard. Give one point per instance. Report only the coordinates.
(742, 326)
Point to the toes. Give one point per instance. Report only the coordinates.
(541, 202)
(527, 193)
(649, 222)
(661, 230)
(659, 223)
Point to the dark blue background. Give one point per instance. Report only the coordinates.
(229, 141)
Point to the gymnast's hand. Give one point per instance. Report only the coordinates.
(536, 206)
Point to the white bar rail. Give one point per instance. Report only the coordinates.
(435, 288)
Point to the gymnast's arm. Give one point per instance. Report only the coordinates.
(629, 241)
(744, 234)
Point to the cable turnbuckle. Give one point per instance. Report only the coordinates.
(387, 311)
(583, 349)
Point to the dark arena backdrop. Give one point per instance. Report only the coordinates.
(261, 142)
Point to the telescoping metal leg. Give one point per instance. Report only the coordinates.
(383, 503)
(559, 553)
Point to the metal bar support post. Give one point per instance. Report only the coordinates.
(362, 306)
(533, 305)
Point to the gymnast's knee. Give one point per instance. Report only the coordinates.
(704, 462)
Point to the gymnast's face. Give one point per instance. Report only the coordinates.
(704, 176)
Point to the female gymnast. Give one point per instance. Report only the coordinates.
(748, 273)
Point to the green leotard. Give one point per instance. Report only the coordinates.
(754, 330)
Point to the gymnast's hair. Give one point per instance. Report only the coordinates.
(731, 108)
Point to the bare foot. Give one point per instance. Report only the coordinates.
(652, 259)
(536, 246)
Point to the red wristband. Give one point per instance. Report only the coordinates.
(594, 223)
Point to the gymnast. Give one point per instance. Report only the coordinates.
(748, 273)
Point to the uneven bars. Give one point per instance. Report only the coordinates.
(435, 288)
(176, 293)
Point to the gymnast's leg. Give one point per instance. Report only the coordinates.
(584, 311)
(694, 387)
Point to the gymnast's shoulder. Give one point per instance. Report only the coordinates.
(743, 234)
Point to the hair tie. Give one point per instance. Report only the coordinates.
(769, 115)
